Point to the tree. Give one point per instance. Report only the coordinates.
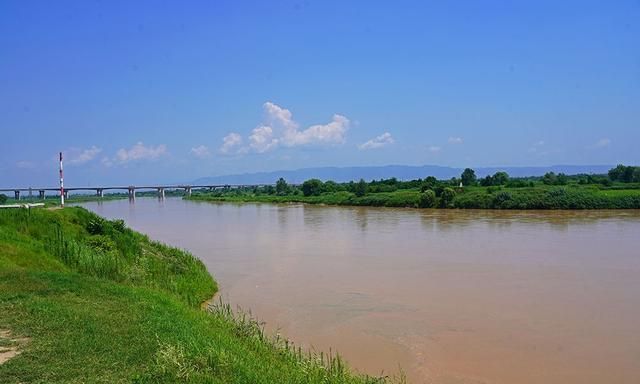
(427, 199)
(562, 179)
(468, 177)
(3, 198)
(312, 187)
(429, 183)
(447, 196)
(616, 173)
(282, 188)
(549, 178)
(500, 178)
(636, 175)
(487, 181)
(361, 188)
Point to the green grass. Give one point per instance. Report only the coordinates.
(540, 196)
(101, 303)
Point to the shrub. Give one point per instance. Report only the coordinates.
(427, 199)
(447, 196)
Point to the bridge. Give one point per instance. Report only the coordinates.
(131, 189)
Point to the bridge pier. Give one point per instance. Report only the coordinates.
(132, 193)
(160, 193)
(17, 194)
(66, 195)
(41, 194)
(187, 191)
(100, 192)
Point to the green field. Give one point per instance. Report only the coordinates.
(87, 300)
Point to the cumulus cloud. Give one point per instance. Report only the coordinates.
(140, 152)
(602, 143)
(455, 140)
(201, 152)
(377, 142)
(261, 139)
(279, 129)
(81, 156)
(231, 143)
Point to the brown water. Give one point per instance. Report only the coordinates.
(450, 296)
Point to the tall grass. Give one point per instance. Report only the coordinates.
(102, 303)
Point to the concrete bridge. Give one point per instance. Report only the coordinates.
(131, 189)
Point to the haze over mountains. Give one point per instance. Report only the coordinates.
(401, 172)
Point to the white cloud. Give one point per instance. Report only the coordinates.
(330, 133)
(602, 143)
(279, 129)
(455, 140)
(230, 143)
(140, 152)
(434, 149)
(261, 139)
(201, 152)
(107, 162)
(377, 142)
(80, 156)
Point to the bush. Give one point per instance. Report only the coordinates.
(501, 198)
(427, 199)
(447, 196)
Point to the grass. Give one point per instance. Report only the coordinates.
(101, 303)
(539, 196)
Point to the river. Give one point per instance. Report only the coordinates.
(451, 296)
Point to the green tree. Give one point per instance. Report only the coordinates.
(312, 187)
(500, 178)
(636, 175)
(468, 177)
(616, 173)
(427, 199)
(361, 188)
(562, 179)
(447, 196)
(429, 183)
(627, 175)
(282, 188)
(487, 181)
(550, 178)
(3, 198)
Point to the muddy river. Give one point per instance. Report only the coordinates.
(449, 296)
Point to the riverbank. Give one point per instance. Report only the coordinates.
(99, 302)
(539, 196)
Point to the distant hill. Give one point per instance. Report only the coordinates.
(401, 172)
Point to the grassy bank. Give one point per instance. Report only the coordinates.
(493, 192)
(99, 302)
(537, 197)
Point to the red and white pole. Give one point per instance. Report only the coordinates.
(61, 183)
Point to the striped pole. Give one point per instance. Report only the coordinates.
(61, 183)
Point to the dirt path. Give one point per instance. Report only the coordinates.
(10, 346)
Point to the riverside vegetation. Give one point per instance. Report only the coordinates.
(99, 302)
(619, 189)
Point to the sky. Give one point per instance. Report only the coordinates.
(169, 91)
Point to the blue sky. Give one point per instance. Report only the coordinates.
(136, 92)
